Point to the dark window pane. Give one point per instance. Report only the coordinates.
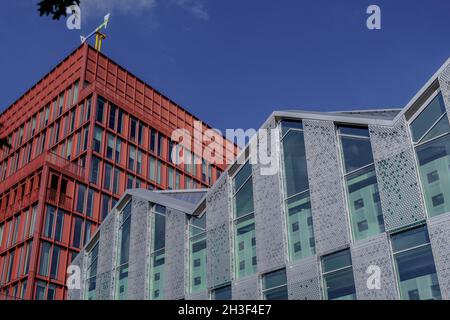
(336, 261)
(357, 153)
(428, 117)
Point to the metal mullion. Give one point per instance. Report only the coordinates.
(359, 169)
(424, 106)
(243, 184)
(289, 131)
(353, 136)
(276, 287)
(431, 127)
(412, 248)
(244, 216)
(337, 270)
(432, 140)
(297, 194)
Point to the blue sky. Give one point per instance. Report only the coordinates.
(232, 62)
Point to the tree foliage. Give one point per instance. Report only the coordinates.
(55, 8)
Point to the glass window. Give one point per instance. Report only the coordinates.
(243, 187)
(153, 141)
(363, 198)
(97, 144)
(90, 293)
(120, 121)
(55, 262)
(49, 219)
(105, 206)
(100, 109)
(90, 203)
(428, 118)
(118, 158)
(197, 254)
(244, 223)
(151, 168)
(157, 257)
(430, 131)
(59, 225)
(75, 93)
(124, 252)
(337, 273)
(140, 133)
(112, 117)
(95, 163)
(139, 162)
(80, 198)
(132, 158)
(77, 230)
(40, 290)
(275, 285)
(107, 177)
(299, 216)
(222, 293)
(434, 168)
(116, 180)
(416, 272)
(170, 177)
(160, 145)
(110, 147)
(133, 123)
(44, 259)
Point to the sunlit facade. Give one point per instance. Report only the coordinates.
(359, 208)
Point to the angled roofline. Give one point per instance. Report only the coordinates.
(419, 98)
(341, 116)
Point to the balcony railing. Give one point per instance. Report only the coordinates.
(65, 164)
(59, 199)
(19, 204)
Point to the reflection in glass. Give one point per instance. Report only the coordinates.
(299, 218)
(339, 283)
(415, 267)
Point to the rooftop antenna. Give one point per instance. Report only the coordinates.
(99, 37)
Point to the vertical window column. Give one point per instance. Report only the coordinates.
(244, 223)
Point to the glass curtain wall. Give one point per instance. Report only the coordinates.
(157, 255)
(337, 275)
(244, 223)
(197, 253)
(123, 252)
(363, 197)
(300, 231)
(275, 285)
(90, 293)
(430, 133)
(416, 272)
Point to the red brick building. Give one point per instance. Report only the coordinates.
(79, 138)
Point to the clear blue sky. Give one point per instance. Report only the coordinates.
(232, 62)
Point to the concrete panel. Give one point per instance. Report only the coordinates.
(176, 226)
(439, 230)
(374, 252)
(218, 235)
(138, 238)
(246, 289)
(303, 280)
(444, 83)
(401, 198)
(80, 262)
(269, 222)
(106, 257)
(329, 210)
